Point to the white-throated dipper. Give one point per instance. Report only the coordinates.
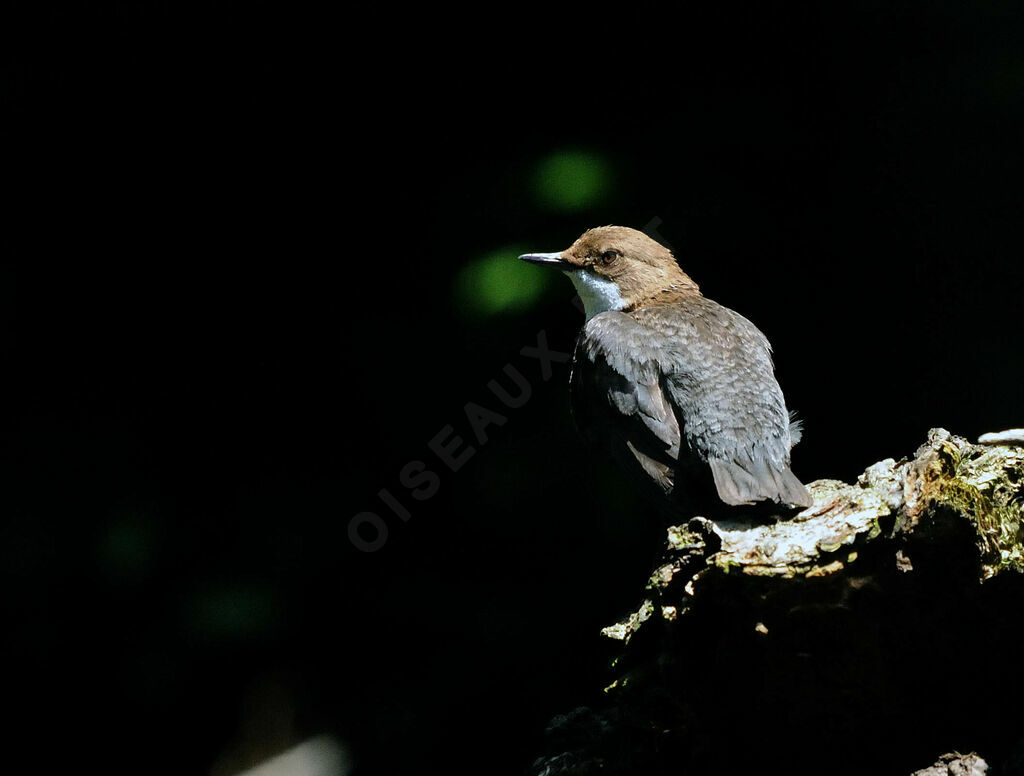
(671, 384)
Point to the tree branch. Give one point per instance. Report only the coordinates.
(852, 627)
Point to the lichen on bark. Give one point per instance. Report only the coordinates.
(948, 479)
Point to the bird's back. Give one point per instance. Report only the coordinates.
(684, 393)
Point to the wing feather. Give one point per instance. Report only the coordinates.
(688, 382)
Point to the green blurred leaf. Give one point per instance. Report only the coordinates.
(235, 611)
(128, 547)
(499, 282)
(572, 180)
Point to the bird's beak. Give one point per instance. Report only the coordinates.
(550, 259)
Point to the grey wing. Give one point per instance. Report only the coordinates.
(619, 401)
(721, 379)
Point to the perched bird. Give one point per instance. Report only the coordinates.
(674, 386)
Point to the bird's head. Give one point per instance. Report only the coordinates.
(618, 268)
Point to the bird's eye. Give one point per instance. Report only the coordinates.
(609, 257)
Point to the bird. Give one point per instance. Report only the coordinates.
(677, 388)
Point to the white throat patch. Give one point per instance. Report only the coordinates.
(598, 294)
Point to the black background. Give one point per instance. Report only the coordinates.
(229, 320)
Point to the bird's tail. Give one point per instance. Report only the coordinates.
(757, 480)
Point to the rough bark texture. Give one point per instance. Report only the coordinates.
(868, 633)
(956, 765)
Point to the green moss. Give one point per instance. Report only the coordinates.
(998, 525)
(983, 487)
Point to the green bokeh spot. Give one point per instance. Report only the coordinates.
(499, 282)
(235, 611)
(128, 548)
(572, 180)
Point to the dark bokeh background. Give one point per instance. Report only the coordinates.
(256, 260)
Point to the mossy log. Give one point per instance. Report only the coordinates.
(868, 633)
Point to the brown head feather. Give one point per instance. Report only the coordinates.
(644, 270)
